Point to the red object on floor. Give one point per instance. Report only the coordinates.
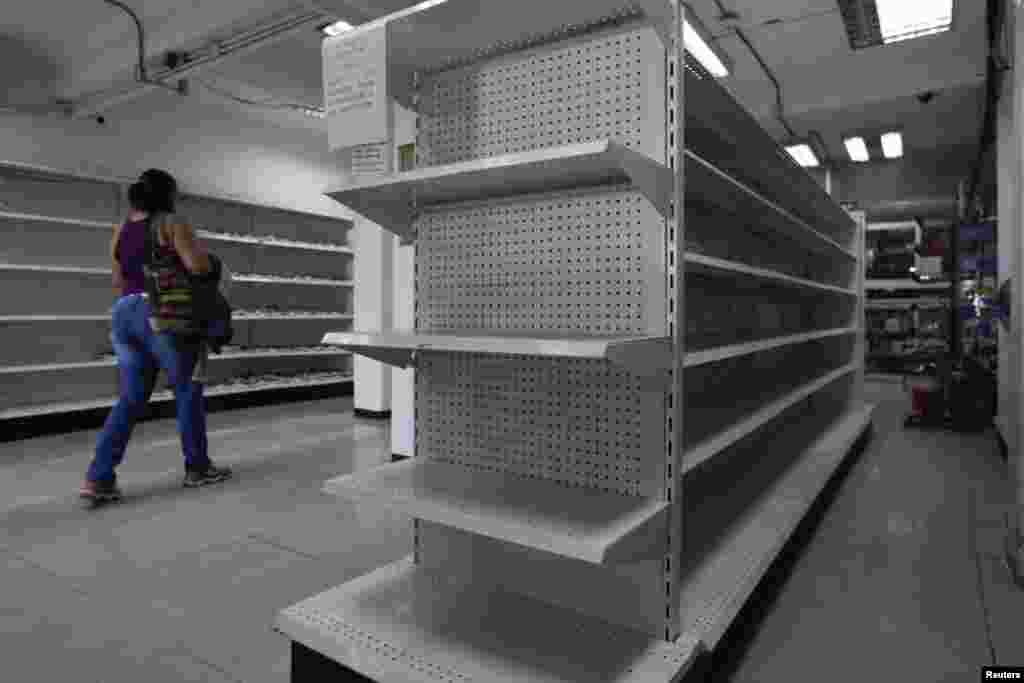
(925, 400)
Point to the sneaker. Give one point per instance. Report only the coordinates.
(210, 474)
(100, 491)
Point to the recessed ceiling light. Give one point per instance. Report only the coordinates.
(892, 145)
(803, 155)
(857, 149)
(337, 28)
(697, 46)
(906, 19)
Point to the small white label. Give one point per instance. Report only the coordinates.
(368, 160)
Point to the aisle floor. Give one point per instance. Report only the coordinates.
(175, 585)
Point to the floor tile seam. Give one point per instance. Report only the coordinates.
(212, 665)
(259, 537)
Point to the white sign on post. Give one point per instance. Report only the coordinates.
(356, 88)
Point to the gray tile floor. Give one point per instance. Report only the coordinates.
(176, 585)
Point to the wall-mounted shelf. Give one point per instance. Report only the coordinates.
(106, 226)
(270, 279)
(393, 201)
(579, 523)
(24, 268)
(55, 250)
(276, 242)
(226, 355)
(254, 384)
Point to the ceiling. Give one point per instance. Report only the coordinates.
(826, 87)
(831, 89)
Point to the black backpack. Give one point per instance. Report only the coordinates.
(211, 312)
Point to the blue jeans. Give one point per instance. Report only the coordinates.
(140, 355)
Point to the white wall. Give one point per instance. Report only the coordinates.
(213, 146)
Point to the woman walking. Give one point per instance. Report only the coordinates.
(145, 339)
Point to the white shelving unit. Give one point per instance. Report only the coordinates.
(54, 246)
(612, 316)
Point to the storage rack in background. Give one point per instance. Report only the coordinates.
(638, 362)
(292, 283)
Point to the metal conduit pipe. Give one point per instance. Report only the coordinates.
(233, 46)
(780, 111)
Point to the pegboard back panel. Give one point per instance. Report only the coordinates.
(603, 85)
(577, 422)
(587, 263)
(631, 595)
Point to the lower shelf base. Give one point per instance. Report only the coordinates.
(405, 624)
(717, 585)
(310, 665)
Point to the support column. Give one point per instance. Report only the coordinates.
(374, 265)
(403, 423)
(403, 389)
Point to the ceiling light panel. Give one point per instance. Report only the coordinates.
(892, 145)
(337, 28)
(803, 155)
(906, 19)
(870, 23)
(857, 149)
(700, 50)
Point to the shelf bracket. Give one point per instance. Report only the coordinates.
(650, 360)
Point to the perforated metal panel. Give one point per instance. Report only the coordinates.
(579, 90)
(576, 422)
(587, 263)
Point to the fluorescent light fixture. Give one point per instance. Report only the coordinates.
(857, 150)
(340, 27)
(337, 28)
(702, 52)
(913, 269)
(803, 155)
(427, 4)
(892, 145)
(906, 19)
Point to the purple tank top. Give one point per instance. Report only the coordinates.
(131, 251)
